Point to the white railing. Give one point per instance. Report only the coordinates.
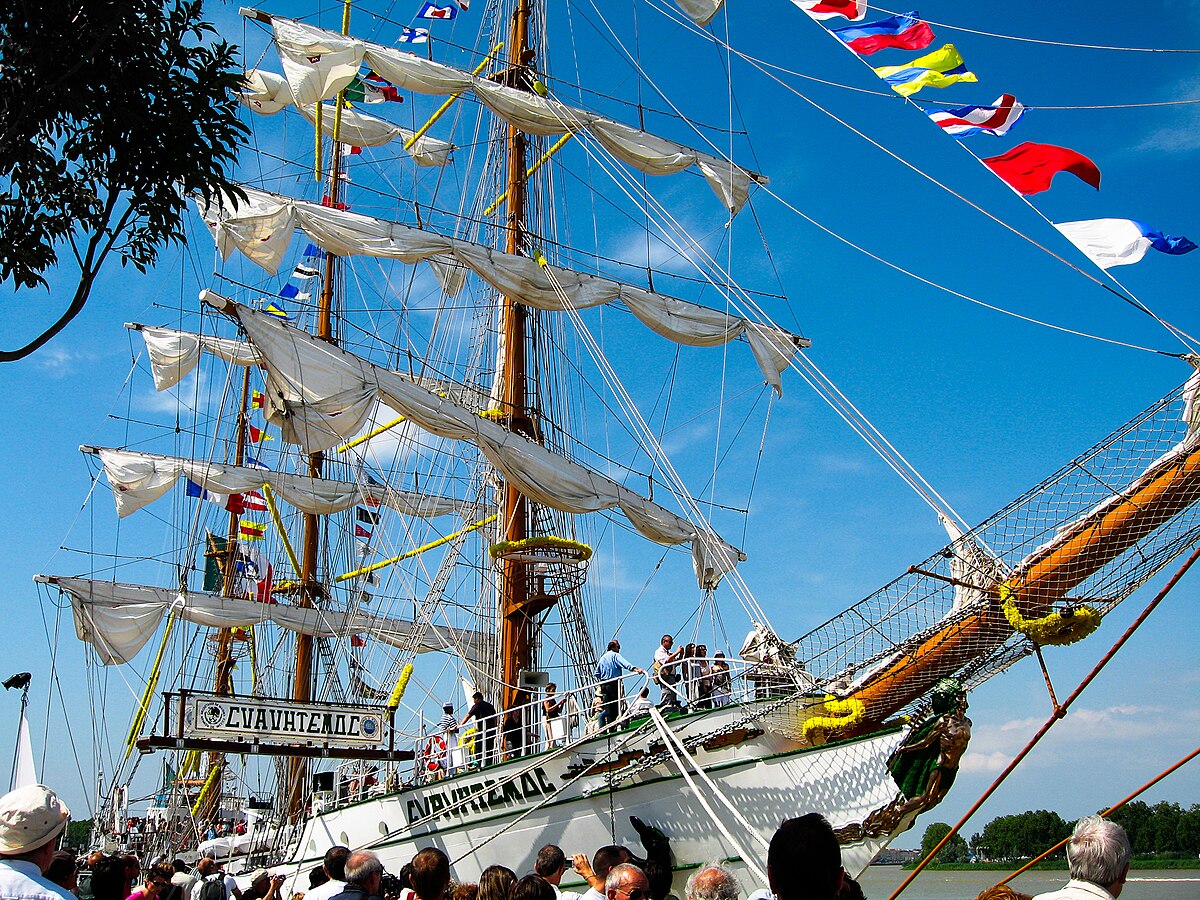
(530, 730)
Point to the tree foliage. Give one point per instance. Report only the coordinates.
(79, 833)
(112, 112)
(1021, 836)
(1164, 829)
(956, 849)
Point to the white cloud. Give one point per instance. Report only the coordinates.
(59, 362)
(664, 256)
(985, 762)
(1182, 136)
(1115, 728)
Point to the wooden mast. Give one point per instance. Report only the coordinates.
(516, 616)
(310, 586)
(223, 672)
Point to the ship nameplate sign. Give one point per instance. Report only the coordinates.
(255, 719)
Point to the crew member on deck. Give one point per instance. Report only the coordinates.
(486, 721)
(608, 671)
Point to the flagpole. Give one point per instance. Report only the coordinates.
(21, 680)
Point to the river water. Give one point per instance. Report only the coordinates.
(878, 883)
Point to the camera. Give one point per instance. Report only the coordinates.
(390, 886)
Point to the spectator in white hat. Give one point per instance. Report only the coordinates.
(31, 819)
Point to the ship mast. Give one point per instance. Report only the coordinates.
(223, 671)
(310, 586)
(516, 610)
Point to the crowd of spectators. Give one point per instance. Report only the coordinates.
(803, 863)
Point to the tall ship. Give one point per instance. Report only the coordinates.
(479, 376)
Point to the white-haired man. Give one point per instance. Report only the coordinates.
(364, 876)
(625, 881)
(31, 819)
(1097, 860)
(712, 882)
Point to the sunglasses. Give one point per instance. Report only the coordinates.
(635, 894)
(159, 884)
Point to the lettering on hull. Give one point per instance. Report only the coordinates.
(477, 796)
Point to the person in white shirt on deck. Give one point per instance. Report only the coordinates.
(665, 673)
(31, 819)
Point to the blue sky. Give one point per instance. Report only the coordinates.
(983, 404)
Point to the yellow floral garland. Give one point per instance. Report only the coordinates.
(401, 684)
(548, 540)
(467, 739)
(845, 714)
(1056, 629)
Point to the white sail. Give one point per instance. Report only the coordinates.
(118, 619)
(267, 93)
(319, 63)
(323, 393)
(173, 354)
(138, 478)
(261, 228)
(700, 11)
(24, 771)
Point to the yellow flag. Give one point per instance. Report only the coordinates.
(937, 69)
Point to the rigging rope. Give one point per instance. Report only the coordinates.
(668, 739)
(1050, 43)
(1126, 297)
(1108, 812)
(1060, 711)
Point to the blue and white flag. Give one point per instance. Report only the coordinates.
(433, 10)
(413, 36)
(1121, 242)
(231, 502)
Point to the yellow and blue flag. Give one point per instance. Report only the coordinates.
(937, 69)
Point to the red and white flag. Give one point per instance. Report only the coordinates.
(854, 10)
(433, 10)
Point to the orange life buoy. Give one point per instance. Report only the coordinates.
(435, 752)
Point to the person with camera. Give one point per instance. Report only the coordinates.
(263, 886)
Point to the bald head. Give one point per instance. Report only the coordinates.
(712, 882)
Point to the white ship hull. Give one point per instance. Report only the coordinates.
(766, 777)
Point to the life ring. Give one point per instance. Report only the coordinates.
(435, 752)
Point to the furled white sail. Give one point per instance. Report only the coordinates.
(303, 372)
(138, 478)
(973, 569)
(700, 11)
(244, 226)
(118, 619)
(24, 772)
(268, 93)
(173, 354)
(319, 63)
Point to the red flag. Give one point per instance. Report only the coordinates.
(257, 399)
(356, 641)
(854, 10)
(1029, 168)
